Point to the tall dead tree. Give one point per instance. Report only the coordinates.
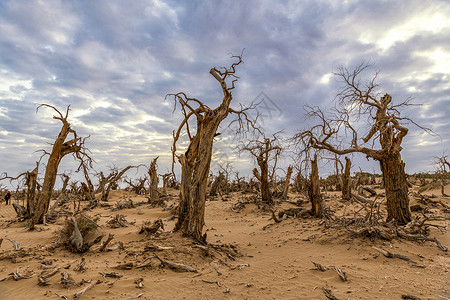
(386, 131)
(287, 182)
(152, 173)
(60, 148)
(314, 189)
(265, 151)
(196, 160)
(346, 189)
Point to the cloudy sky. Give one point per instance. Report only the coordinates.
(114, 62)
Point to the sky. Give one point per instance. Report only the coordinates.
(114, 62)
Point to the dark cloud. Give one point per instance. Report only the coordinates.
(114, 62)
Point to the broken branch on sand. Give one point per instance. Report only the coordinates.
(175, 266)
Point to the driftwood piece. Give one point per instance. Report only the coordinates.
(66, 280)
(81, 292)
(111, 275)
(152, 229)
(61, 296)
(175, 266)
(118, 221)
(154, 247)
(82, 266)
(329, 294)
(319, 266)
(341, 274)
(110, 237)
(421, 237)
(119, 246)
(17, 275)
(389, 254)
(16, 245)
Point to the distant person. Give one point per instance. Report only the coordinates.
(7, 197)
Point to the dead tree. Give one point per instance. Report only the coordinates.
(314, 189)
(152, 173)
(165, 178)
(287, 182)
(196, 160)
(442, 164)
(265, 151)
(387, 130)
(346, 190)
(60, 148)
(112, 180)
(226, 169)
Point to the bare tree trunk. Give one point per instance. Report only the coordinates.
(266, 196)
(287, 182)
(346, 190)
(153, 180)
(314, 189)
(31, 182)
(59, 150)
(396, 188)
(196, 161)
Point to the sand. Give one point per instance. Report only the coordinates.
(273, 259)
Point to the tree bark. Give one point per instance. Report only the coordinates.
(287, 182)
(266, 196)
(153, 180)
(396, 188)
(314, 189)
(346, 190)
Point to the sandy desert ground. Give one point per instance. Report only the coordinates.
(249, 256)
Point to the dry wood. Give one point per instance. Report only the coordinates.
(196, 160)
(153, 181)
(17, 275)
(387, 131)
(175, 266)
(319, 266)
(389, 254)
(66, 280)
(152, 229)
(110, 237)
(61, 296)
(135, 297)
(329, 294)
(15, 244)
(111, 275)
(421, 237)
(81, 266)
(81, 292)
(341, 274)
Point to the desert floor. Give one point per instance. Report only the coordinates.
(253, 257)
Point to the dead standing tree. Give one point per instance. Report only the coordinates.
(196, 161)
(386, 131)
(60, 148)
(111, 180)
(314, 189)
(264, 151)
(152, 173)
